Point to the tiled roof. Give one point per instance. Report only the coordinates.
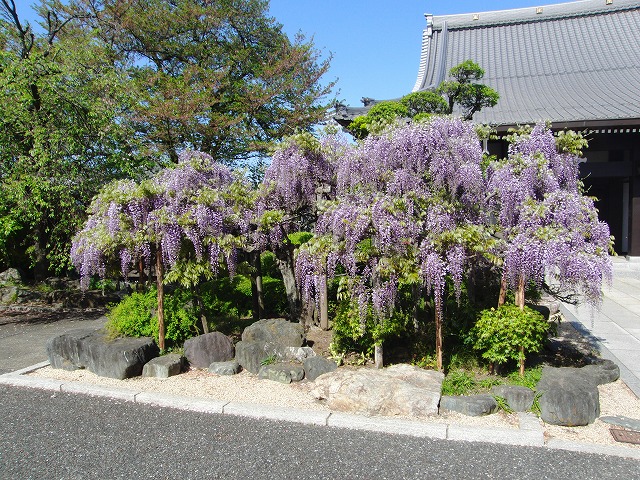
(570, 63)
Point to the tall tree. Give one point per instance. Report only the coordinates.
(220, 77)
(61, 136)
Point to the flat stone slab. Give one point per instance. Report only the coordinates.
(626, 422)
(472, 405)
(114, 358)
(397, 390)
(282, 372)
(519, 399)
(163, 367)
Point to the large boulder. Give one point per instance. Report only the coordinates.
(115, 358)
(163, 367)
(203, 350)
(275, 330)
(250, 355)
(396, 390)
(316, 366)
(472, 405)
(519, 399)
(568, 396)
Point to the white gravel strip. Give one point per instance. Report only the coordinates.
(245, 394)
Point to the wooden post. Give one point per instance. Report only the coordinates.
(438, 318)
(378, 355)
(160, 286)
(324, 306)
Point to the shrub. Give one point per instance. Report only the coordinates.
(135, 316)
(507, 332)
(132, 316)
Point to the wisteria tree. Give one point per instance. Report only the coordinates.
(406, 204)
(301, 175)
(187, 221)
(550, 229)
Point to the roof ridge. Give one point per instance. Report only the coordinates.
(523, 15)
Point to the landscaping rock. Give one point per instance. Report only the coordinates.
(118, 358)
(602, 371)
(275, 330)
(568, 396)
(472, 405)
(250, 355)
(519, 399)
(203, 350)
(163, 367)
(316, 366)
(8, 294)
(10, 276)
(232, 367)
(396, 390)
(288, 354)
(282, 372)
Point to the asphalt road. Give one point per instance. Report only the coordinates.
(23, 338)
(61, 436)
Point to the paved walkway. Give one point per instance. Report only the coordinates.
(615, 330)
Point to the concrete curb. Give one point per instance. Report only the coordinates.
(529, 433)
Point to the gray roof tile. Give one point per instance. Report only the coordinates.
(575, 62)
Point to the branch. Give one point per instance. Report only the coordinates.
(10, 12)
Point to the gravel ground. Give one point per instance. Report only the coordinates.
(615, 399)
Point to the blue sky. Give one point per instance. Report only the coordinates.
(375, 43)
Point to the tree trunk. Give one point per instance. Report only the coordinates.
(41, 264)
(200, 309)
(378, 355)
(256, 286)
(299, 311)
(503, 290)
(438, 318)
(141, 276)
(520, 292)
(160, 286)
(522, 361)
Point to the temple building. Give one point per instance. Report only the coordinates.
(575, 65)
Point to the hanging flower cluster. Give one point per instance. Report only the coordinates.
(549, 227)
(197, 209)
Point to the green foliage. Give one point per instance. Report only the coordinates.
(351, 334)
(299, 238)
(424, 102)
(377, 119)
(135, 316)
(458, 382)
(530, 378)
(501, 333)
(61, 137)
(502, 404)
(420, 106)
(269, 360)
(462, 91)
(572, 142)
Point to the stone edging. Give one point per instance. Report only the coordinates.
(530, 432)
